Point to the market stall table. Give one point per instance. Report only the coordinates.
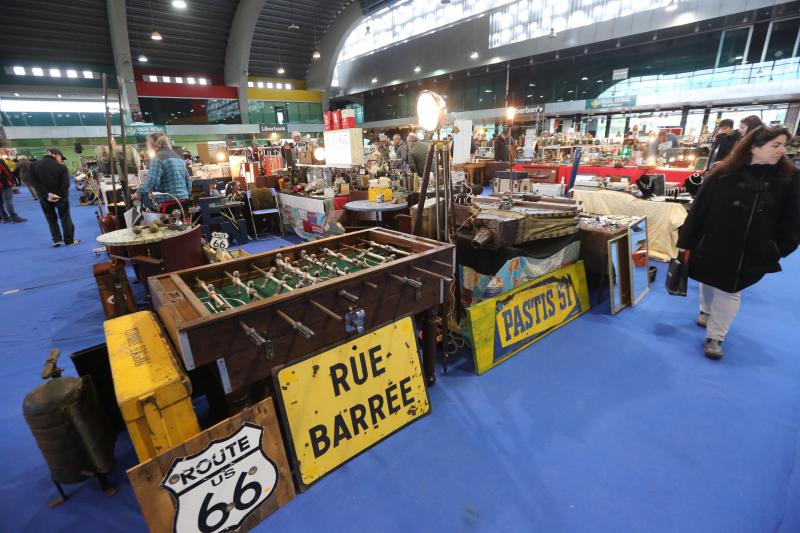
(126, 237)
(663, 218)
(671, 175)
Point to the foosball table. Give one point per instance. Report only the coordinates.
(246, 316)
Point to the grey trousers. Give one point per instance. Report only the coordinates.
(721, 307)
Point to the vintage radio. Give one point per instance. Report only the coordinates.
(246, 316)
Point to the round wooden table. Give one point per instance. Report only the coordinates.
(126, 237)
(365, 206)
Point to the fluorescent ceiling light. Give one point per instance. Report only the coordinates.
(59, 95)
(19, 71)
(55, 73)
(261, 85)
(584, 78)
(279, 86)
(88, 74)
(287, 86)
(316, 55)
(72, 73)
(156, 36)
(374, 80)
(55, 106)
(417, 68)
(190, 80)
(281, 70)
(178, 79)
(152, 78)
(16, 94)
(474, 54)
(270, 85)
(37, 71)
(250, 84)
(143, 58)
(165, 79)
(203, 81)
(179, 4)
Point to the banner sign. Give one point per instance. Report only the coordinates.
(143, 129)
(501, 327)
(229, 477)
(273, 128)
(619, 74)
(617, 102)
(340, 402)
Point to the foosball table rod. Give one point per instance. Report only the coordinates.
(374, 257)
(288, 267)
(327, 311)
(251, 292)
(432, 274)
(212, 294)
(386, 247)
(337, 255)
(268, 276)
(296, 324)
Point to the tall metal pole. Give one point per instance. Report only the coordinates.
(110, 147)
(123, 173)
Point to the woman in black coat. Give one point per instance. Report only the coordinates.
(745, 218)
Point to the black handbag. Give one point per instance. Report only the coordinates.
(678, 274)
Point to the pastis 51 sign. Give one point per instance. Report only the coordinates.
(502, 326)
(340, 402)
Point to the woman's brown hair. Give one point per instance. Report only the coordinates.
(741, 155)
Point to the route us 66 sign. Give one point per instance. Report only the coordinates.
(216, 489)
(219, 240)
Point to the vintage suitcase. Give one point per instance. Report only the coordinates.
(153, 391)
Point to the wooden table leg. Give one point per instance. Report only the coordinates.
(429, 345)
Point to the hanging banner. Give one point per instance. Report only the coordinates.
(500, 327)
(273, 128)
(137, 130)
(617, 102)
(342, 401)
(462, 141)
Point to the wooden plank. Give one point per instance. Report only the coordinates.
(156, 503)
(157, 506)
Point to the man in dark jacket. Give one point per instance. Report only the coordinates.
(417, 154)
(501, 147)
(724, 141)
(7, 195)
(50, 178)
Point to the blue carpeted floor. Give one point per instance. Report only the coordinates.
(609, 424)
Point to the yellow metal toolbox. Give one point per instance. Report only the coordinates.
(153, 391)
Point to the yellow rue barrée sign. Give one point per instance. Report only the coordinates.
(342, 401)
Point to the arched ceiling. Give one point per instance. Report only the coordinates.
(195, 39)
(55, 33)
(273, 37)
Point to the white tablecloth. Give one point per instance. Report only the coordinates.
(663, 218)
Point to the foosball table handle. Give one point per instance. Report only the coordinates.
(304, 330)
(348, 296)
(258, 340)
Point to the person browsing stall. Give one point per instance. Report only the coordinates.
(724, 141)
(664, 141)
(417, 154)
(50, 177)
(7, 195)
(168, 174)
(501, 147)
(744, 219)
(748, 124)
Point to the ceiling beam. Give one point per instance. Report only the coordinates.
(237, 54)
(120, 47)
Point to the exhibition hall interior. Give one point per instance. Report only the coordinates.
(400, 265)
